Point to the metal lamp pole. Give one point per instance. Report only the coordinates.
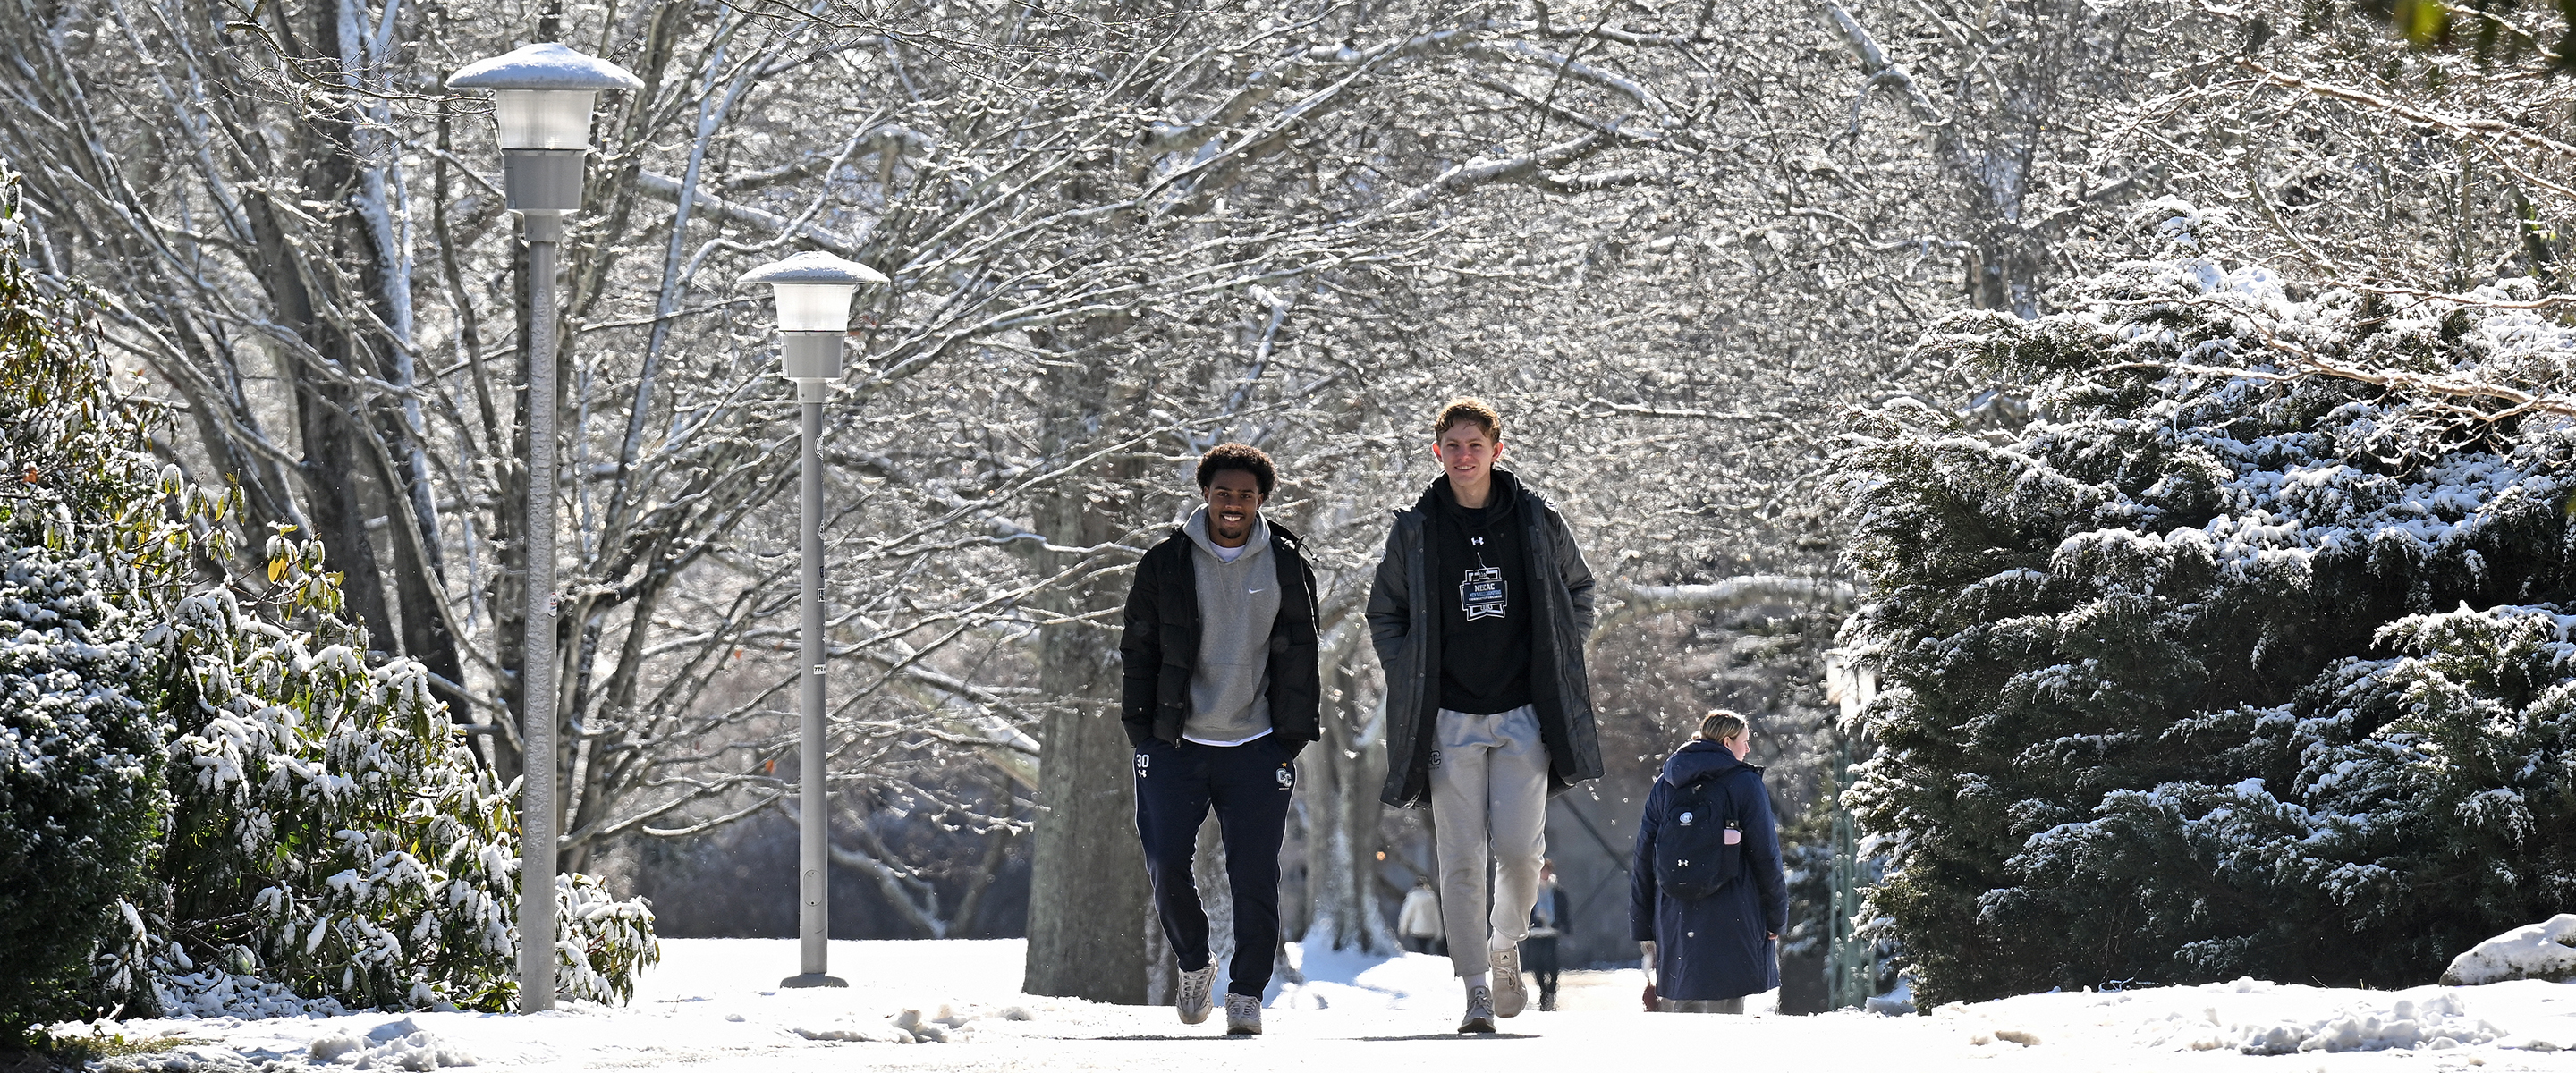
(1850, 964)
(813, 292)
(542, 97)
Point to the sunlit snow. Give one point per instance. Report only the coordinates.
(714, 1005)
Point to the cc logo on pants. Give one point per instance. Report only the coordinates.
(1287, 778)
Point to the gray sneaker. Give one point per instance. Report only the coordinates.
(1480, 1011)
(1193, 998)
(1242, 1015)
(1511, 996)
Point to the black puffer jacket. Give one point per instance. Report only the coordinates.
(1405, 627)
(1161, 643)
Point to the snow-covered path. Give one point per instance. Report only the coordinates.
(712, 1006)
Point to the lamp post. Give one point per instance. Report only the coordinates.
(813, 292)
(1851, 966)
(541, 96)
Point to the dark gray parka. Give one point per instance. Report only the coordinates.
(1405, 626)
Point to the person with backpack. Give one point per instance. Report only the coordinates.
(1221, 691)
(1706, 893)
(1479, 612)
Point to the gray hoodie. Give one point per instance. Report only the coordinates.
(1238, 605)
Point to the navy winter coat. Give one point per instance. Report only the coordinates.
(1713, 948)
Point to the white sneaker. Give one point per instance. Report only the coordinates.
(1511, 996)
(1242, 1015)
(1480, 1010)
(1193, 999)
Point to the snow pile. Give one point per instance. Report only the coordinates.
(394, 1045)
(155, 1049)
(2260, 1018)
(179, 1060)
(1897, 1002)
(2439, 1023)
(544, 65)
(2543, 951)
(911, 1025)
(216, 993)
(863, 1033)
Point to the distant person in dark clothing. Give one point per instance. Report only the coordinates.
(1549, 917)
(1707, 949)
(1221, 690)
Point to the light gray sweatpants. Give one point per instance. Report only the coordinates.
(1488, 781)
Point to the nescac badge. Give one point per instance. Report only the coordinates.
(1142, 762)
(1482, 594)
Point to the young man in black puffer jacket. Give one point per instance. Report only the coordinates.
(1221, 693)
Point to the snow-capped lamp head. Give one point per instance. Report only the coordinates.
(813, 290)
(542, 96)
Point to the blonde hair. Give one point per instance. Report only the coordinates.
(1721, 725)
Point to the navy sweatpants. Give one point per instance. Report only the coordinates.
(1249, 786)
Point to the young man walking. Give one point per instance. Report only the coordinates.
(1479, 613)
(1221, 692)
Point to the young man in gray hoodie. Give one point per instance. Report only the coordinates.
(1221, 692)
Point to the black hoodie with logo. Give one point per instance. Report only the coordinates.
(1480, 579)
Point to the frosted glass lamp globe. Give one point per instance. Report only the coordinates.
(814, 290)
(544, 118)
(814, 307)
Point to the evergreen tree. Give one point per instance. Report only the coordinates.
(83, 558)
(2250, 653)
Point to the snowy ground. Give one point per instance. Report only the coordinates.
(713, 1005)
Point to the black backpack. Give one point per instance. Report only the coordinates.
(1692, 857)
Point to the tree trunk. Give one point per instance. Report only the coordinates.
(420, 568)
(1342, 774)
(327, 413)
(1089, 904)
(1090, 909)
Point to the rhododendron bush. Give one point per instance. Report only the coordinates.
(213, 796)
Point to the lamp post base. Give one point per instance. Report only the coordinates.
(813, 979)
